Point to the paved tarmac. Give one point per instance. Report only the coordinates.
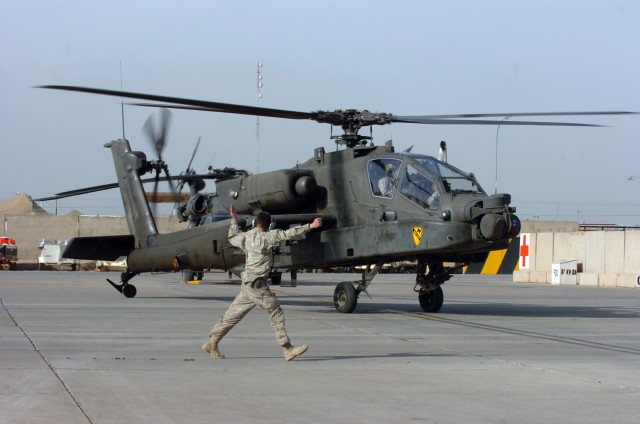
(73, 350)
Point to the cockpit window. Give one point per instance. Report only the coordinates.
(455, 181)
(383, 176)
(420, 189)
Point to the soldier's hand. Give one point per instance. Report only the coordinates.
(317, 223)
(232, 211)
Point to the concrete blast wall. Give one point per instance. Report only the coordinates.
(28, 231)
(604, 258)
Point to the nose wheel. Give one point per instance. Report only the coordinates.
(428, 284)
(431, 301)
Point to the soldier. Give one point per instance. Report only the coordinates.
(254, 290)
(387, 183)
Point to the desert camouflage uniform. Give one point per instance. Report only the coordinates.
(254, 290)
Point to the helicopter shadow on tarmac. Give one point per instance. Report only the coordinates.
(540, 311)
(504, 310)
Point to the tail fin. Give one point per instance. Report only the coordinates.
(129, 167)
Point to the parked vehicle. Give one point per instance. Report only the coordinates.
(51, 255)
(8, 253)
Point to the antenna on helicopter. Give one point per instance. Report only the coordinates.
(259, 88)
(122, 101)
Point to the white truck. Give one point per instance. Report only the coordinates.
(51, 255)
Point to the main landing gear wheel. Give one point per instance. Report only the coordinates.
(431, 301)
(345, 297)
(276, 278)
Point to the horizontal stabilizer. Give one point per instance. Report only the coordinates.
(105, 248)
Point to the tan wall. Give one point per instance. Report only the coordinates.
(605, 258)
(550, 226)
(28, 231)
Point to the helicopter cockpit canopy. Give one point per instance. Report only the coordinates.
(422, 180)
(455, 181)
(420, 187)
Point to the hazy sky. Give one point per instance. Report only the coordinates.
(401, 57)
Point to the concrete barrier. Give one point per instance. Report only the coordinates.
(29, 230)
(604, 258)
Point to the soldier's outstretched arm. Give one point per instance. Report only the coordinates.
(278, 235)
(235, 236)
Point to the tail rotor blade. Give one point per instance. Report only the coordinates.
(165, 121)
(154, 197)
(157, 130)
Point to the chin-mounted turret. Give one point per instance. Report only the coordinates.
(495, 219)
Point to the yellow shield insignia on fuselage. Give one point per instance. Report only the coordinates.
(417, 235)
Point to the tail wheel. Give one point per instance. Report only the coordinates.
(345, 298)
(129, 290)
(431, 301)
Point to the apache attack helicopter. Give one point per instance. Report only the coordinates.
(377, 205)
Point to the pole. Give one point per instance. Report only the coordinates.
(497, 133)
(259, 88)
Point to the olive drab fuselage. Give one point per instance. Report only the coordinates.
(362, 226)
(426, 210)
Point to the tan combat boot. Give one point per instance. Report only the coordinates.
(291, 352)
(211, 347)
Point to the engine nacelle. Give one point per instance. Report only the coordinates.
(197, 205)
(272, 191)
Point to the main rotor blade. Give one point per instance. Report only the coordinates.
(170, 106)
(502, 115)
(443, 121)
(78, 192)
(351, 117)
(102, 187)
(207, 105)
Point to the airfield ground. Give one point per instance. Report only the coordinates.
(73, 350)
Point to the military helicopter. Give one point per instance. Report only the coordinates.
(377, 205)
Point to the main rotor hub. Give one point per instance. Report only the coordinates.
(351, 120)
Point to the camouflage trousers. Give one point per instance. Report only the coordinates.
(248, 299)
